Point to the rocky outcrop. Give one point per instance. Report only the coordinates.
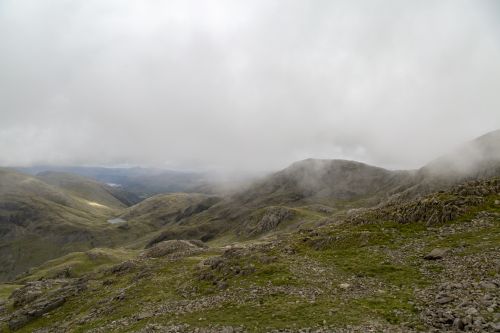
(174, 248)
(435, 208)
(40, 297)
(271, 218)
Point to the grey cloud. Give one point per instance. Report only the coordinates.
(251, 85)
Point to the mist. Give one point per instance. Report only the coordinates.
(244, 86)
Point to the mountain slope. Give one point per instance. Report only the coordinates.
(479, 158)
(303, 194)
(310, 192)
(306, 194)
(39, 221)
(143, 182)
(52, 214)
(372, 274)
(88, 189)
(476, 159)
(314, 180)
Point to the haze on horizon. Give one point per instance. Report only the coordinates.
(245, 85)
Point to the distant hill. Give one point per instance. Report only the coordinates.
(473, 160)
(479, 158)
(143, 182)
(306, 192)
(89, 189)
(39, 221)
(312, 190)
(327, 181)
(45, 216)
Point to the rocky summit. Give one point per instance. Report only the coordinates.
(321, 246)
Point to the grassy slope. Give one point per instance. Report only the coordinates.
(54, 214)
(77, 264)
(40, 221)
(92, 192)
(312, 189)
(370, 275)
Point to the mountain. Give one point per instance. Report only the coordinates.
(479, 158)
(476, 159)
(143, 182)
(303, 194)
(327, 181)
(54, 213)
(428, 264)
(165, 211)
(312, 192)
(89, 189)
(57, 212)
(39, 221)
(161, 208)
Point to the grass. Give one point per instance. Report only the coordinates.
(382, 262)
(274, 312)
(80, 263)
(359, 252)
(7, 289)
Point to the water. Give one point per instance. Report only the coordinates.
(116, 220)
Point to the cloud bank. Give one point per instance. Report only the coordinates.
(244, 85)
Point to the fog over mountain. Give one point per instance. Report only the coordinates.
(244, 85)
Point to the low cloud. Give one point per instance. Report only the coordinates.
(240, 85)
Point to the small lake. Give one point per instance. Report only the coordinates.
(116, 220)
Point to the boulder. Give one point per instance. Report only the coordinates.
(437, 253)
(458, 324)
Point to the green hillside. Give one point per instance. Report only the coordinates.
(95, 193)
(367, 271)
(53, 214)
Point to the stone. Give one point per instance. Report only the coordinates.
(18, 321)
(495, 327)
(144, 315)
(444, 300)
(123, 267)
(458, 324)
(222, 285)
(488, 285)
(471, 311)
(344, 285)
(22, 317)
(437, 253)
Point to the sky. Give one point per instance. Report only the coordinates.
(244, 85)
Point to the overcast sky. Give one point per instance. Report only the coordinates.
(250, 85)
